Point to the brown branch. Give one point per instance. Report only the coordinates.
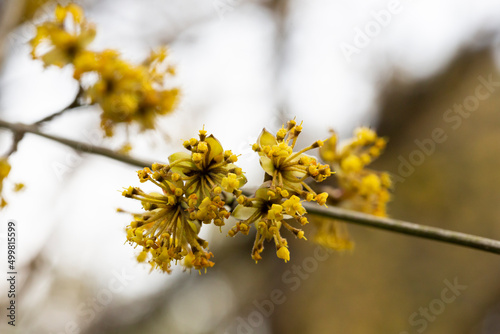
(77, 145)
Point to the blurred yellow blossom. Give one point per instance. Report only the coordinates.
(4, 172)
(356, 187)
(127, 93)
(362, 189)
(332, 234)
(65, 38)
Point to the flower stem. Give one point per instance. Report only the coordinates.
(388, 224)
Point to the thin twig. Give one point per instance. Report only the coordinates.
(16, 139)
(77, 145)
(417, 230)
(73, 106)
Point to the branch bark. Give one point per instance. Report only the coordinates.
(20, 128)
(399, 226)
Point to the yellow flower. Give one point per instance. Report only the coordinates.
(332, 234)
(4, 168)
(362, 189)
(67, 36)
(370, 184)
(267, 211)
(192, 195)
(287, 169)
(365, 147)
(128, 93)
(359, 188)
(351, 163)
(230, 183)
(283, 253)
(168, 229)
(4, 172)
(19, 187)
(208, 166)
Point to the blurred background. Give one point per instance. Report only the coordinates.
(410, 69)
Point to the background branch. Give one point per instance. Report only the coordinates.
(77, 145)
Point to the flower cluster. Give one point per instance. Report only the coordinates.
(280, 196)
(127, 93)
(267, 211)
(356, 187)
(64, 40)
(362, 189)
(207, 166)
(193, 188)
(288, 169)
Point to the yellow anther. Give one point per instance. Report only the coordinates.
(317, 143)
(281, 134)
(262, 225)
(321, 198)
(142, 256)
(171, 200)
(241, 199)
(283, 253)
(197, 157)
(230, 183)
(202, 147)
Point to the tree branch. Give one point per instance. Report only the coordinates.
(399, 226)
(388, 224)
(77, 145)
